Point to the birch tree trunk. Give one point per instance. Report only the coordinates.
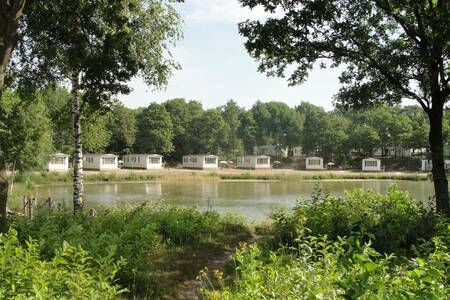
(78, 187)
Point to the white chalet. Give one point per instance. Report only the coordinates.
(143, 161)
(371, 164)
(59, 162)
(101, 162)
(200, 161)
(427, 165)
(297, 151)
(314, 163)
(253, 162)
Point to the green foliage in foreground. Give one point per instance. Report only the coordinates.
(364, 246)
(142, 237)
(321, 269)
(394, 222)
(71, 273)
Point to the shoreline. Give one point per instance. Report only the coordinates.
(179, 175)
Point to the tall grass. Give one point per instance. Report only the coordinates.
(161, 246)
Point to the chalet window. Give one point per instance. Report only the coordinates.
(314, 162)
(154, 160)
(262, 161)
(58, 160)
(193, 160)
(371, 163)
(108, 160)
(186, 159)
(89, 160)
(210, 160)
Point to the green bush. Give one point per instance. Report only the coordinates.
(394, 222)
(71, 274)
(322, 269)
(140, 235)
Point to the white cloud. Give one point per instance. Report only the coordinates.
(220, 11)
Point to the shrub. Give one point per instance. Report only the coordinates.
(141, 235)
(394, 221)
(322, 269)
(71, 274)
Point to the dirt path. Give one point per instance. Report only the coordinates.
(190, 289)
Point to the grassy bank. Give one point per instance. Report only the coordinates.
(42, 178)
(320, 176)
(145, 250)
(362, 246)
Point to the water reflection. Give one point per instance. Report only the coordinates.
(255, 199)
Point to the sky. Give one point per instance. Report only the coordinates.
(216, 67)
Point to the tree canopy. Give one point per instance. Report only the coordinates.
(389, 50)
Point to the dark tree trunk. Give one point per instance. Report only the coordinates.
(3, 204)
(10, 13)
(77, 146)
(437, 157)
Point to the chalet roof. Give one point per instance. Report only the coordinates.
(60, 154)
(142, 154)
(200, 155)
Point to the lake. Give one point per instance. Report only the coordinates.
(254, 199)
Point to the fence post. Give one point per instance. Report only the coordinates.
(3, 205)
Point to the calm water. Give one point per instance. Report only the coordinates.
(254, 199)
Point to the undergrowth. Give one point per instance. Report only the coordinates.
(160, 246)
(361, 246)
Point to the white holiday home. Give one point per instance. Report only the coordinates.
(253, 162)
(314, 163)
(143, 161)
(297, 151)
(427, 165)
(200, 161)
(101, 162)
(58, 162)
(371, 164)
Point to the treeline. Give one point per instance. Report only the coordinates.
(177, 127)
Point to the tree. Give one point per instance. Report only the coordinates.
(182, 113)
(10, 14)
(391, 50)
(154, 130)
(98, 46)
(420, 127)
(208, 130)
(313, 126)
(96, 135)
(277, 124)
(247, 131)
(230, 114)
(123, 130)
(25, 132)
(57, 100)
(334, 137)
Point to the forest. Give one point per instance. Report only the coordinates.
(177, 127)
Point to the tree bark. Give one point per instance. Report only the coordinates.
(3, 204)
(437, 157)
(10, 13)
(78, 187)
